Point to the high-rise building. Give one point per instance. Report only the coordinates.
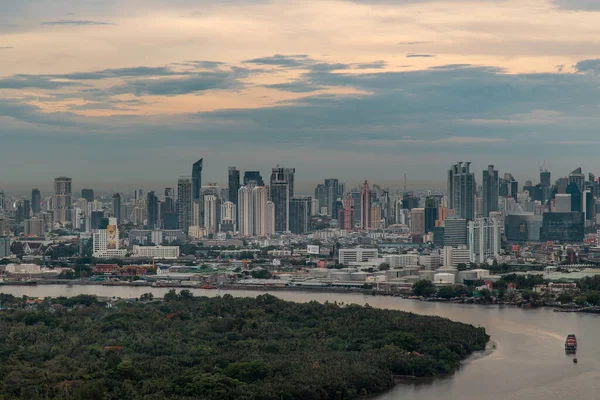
(280, 196)
(484, 239)
(253, 176)
(254, 213)
(461, 190)
(545, 180)
(455, 232)
(36, 201)
(2, 201)
(152, 211)
(490, 190)
(563, 227)
(184, 203)
(106, 241)
(332, 190)
(228, 217)
(88, 194)
(269, 219)
(300, 215)
(245, 211)
(61, 202)
(321, 196)
(376, 216)
(346, 214)
(116, 204)
(280, 174)
(432, 205)
(233, 177)
(417, 221)
(575, 188)
(197, 179)
(211, 214)
(365, 206)
(169, 200)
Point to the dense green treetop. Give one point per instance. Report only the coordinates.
(222, 348)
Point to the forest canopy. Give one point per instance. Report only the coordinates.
(222, 348)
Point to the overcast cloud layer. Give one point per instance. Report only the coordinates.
(135, 91)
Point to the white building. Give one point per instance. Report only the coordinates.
(484, 240)
(453, 256)
(402, 260)
(160, 252)
(430, 261)
(197, 232)
(357, 255)
(256, 214)
(106, 241)
(562, 203)
(228, 216)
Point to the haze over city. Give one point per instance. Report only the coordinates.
(116, 91)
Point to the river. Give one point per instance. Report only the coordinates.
(529, 362)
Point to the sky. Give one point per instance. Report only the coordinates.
(132, 92)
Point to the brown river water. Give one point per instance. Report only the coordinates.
(528, 362)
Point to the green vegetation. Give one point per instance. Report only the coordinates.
(221, 348)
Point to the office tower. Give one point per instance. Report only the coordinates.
(88, 194)
(280, 196)
(152, 211)
(197, 213)
(545, 181)
(211, 213)
(461, 190)
(253, 176)
(300, 215)
(33, 227)
(116, 204)
(314, 208)
(4, 246)
(346, 214)
(269, 218)
(254, 214)
(61, 202)
(2, 201)
(245, 211)
(355, 194)
(365, 206)
(233, 176)
(409, 201)
(376, 216)
(96, 218)
(417, 221)
(575, 189)
(106, 241)
(228, 217)
(455, 232)
(280, 174)
(197, 179)
(321, 196)
(503, 188)
(522, 226)
(3, 227)
(484, 240)
(184, 203)
(589, 206)
(260, 213)
(576, 196)
(169, 200)
(36, 201)
(490, 191)
(431, 213)
(332, 189)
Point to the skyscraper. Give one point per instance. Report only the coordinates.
(116, 205)
(280, 174)
(61, 201)
(346, 214)
(234, 184)
(255, 215)
(490, 190)
(152, 207)
(321, 196)
(228, 217)
(184, 203)
(280, 196)
(197, 179)
(88, 194)
(461, 190)
(332, 189)
(211, 214)
(575, 188)
(545, 180)
(484, 239)
(431, 213)
(365, 206)
(300, 215)
(36, 201)
(245, 211)
(253, 176)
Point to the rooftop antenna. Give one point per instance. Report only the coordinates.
(405, 182)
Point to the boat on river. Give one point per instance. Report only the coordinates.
(571, 344)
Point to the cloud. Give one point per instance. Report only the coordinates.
(281, 60)
(457, 140)
(578, 5)
(588, 66)
(414, 43)
(372, 65)
(416, 55)
(6, 47)
(76, 22)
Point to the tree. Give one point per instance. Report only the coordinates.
(565, 297)
(423, 288)
(147, 297)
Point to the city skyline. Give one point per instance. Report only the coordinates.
(366, 87)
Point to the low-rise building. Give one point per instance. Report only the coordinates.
(359, 254)
(160, 252)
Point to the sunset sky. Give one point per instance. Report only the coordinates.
(136, 90)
